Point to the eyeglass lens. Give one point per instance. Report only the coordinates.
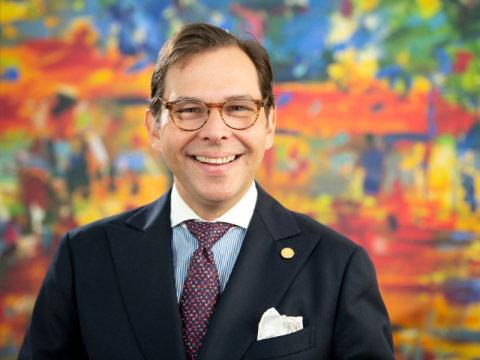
(238, 114)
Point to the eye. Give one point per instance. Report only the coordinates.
(242, 106)
(238, 108)
(188, 110)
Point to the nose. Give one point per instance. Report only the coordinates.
(215, 130)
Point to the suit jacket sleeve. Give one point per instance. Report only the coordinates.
(54, 332)
(362, 326)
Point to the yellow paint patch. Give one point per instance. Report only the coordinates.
(13, 11)
(421, 84)
(368, 5)
(336, 71)
(368, 69)
(100, 77)
(403, 57)
(428, 8)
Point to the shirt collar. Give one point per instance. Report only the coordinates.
(239, 215)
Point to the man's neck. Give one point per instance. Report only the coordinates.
(209, 210)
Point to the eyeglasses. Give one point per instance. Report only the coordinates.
(236, 114)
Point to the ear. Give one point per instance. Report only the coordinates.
(152, 130)
(270, 132)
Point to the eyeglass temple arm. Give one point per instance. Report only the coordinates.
(168, 106)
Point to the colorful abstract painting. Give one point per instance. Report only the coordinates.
(378, 137)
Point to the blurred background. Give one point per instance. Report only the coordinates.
(378, 137)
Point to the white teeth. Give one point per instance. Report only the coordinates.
(216, 161)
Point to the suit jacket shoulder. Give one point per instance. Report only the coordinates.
(140, 218)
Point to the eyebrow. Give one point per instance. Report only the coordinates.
(228, 98)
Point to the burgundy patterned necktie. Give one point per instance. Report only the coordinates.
(201, 290)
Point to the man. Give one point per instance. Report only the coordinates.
(190, 275)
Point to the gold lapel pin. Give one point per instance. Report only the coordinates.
(287, 253)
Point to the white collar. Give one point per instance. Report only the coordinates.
(239, 215)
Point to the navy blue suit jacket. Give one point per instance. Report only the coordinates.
(109, 293)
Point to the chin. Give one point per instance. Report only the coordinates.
(222, 191)
(217, 194)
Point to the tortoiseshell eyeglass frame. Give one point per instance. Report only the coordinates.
(169, 106)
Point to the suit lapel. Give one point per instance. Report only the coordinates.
(142, 254)
(259, 279)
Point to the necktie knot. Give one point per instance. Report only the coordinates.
(207, 233)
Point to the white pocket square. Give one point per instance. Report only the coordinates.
(273, 324)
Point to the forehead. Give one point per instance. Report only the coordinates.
(213, 75)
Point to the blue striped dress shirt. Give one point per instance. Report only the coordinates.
(225, 250)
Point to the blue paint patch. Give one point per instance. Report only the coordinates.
(126, 43)
(284, 99)
(438, 21)
(138, 66)
(227, 21)
(313, 42)
(468, 184)
(134, 161)
(33, 30)
(393, 138)
(340, 47)
(471, 140)
(360, 38)
(389, 71)
(372, 161)
(11, 74)
(462, 291)
(392, 222)
(444, 61)
(461, 236)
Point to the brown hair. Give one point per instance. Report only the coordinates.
(198, 38)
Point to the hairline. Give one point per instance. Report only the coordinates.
(183, 61)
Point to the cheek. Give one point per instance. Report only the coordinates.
(169, 146)
(174, 141)
(255, 141)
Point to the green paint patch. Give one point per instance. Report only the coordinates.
(14, 140)
(446, 140)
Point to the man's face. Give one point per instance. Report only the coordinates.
(213, 77)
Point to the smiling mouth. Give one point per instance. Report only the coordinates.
(216, 161)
